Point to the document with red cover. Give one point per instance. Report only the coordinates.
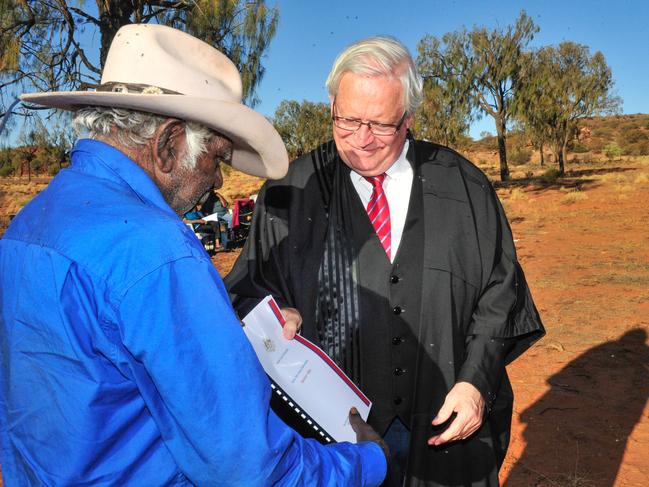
(307, 383)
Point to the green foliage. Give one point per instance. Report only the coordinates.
(43, 45)
(612, 151)
(560, 86)
(519, 156)
(477, 69)
(53, 169)
(9, 45)
(551, 175)
(578, 147)
(443, 117)
(6, 171)
(302, 126)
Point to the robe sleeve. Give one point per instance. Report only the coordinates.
(262, 267)
(505, 321)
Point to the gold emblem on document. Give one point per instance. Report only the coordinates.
(269, 345)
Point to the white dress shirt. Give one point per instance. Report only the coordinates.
(397, 186)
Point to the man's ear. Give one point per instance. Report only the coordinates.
(408, 121)
(169, 145)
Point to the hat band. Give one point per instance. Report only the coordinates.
(117, 87)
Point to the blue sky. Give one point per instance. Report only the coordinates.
(312, 33)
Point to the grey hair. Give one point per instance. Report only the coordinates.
(379, 56)
(136, 128)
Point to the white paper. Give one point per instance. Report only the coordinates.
(305, 372)
(210, 218)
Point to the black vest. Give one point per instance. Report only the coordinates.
(390, 297)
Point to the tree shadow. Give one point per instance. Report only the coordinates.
(577, 432)
(577, 179)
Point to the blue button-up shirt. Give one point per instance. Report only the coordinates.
(121, 360)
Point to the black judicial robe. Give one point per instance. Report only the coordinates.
(476, 312)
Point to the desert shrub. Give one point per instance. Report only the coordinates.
(577, 147)
(551, 175)
(630, 125)
(612, 151)
(629, 137)
(603, 132)
(585, 159)
(7, 170)
(596, 144)
(519, 156)
(573, 197)
(637, 149)
(53, 169)
(488, 143)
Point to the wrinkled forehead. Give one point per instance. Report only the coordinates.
(380, 94)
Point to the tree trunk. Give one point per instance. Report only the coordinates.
(502, 148)
(563, 154)
(113, 14)
(542, 155)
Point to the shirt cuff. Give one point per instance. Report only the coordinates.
(374, 465)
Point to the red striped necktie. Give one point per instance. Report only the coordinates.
(379, 212)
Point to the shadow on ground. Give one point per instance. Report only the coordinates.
(591, 409)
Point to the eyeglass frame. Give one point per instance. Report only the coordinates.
(370, 123)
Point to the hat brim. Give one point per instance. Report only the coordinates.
(257, 147)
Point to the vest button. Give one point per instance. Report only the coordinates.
(397, 310)
(397, 340)
(394, 279)
(397, 400)
(399, 371)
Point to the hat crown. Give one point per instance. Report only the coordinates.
(163, 57)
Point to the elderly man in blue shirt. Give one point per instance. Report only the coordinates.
(121, 360)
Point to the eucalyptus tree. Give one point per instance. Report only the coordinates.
(443, 116)
(480, 67)
(560, 86)
(302, 125)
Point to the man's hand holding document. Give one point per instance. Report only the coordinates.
(310, 383)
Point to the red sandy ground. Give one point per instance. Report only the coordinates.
(581, 416)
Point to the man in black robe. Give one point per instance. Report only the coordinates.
(423, 317)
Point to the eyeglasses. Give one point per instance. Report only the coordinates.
(380, 129)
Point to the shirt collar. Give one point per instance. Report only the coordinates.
(105, 161)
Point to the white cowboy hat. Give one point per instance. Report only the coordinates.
(157, 69)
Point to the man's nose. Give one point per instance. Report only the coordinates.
(364, 135)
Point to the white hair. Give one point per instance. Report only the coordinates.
(379, 56)
(136, 128)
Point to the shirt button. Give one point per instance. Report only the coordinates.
(397, 400)
(394, 279)
(397, 310)
(399, 371)
(397, 340)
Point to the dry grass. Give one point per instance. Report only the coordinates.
(573, 197)
(239, 185)
(642, 178)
